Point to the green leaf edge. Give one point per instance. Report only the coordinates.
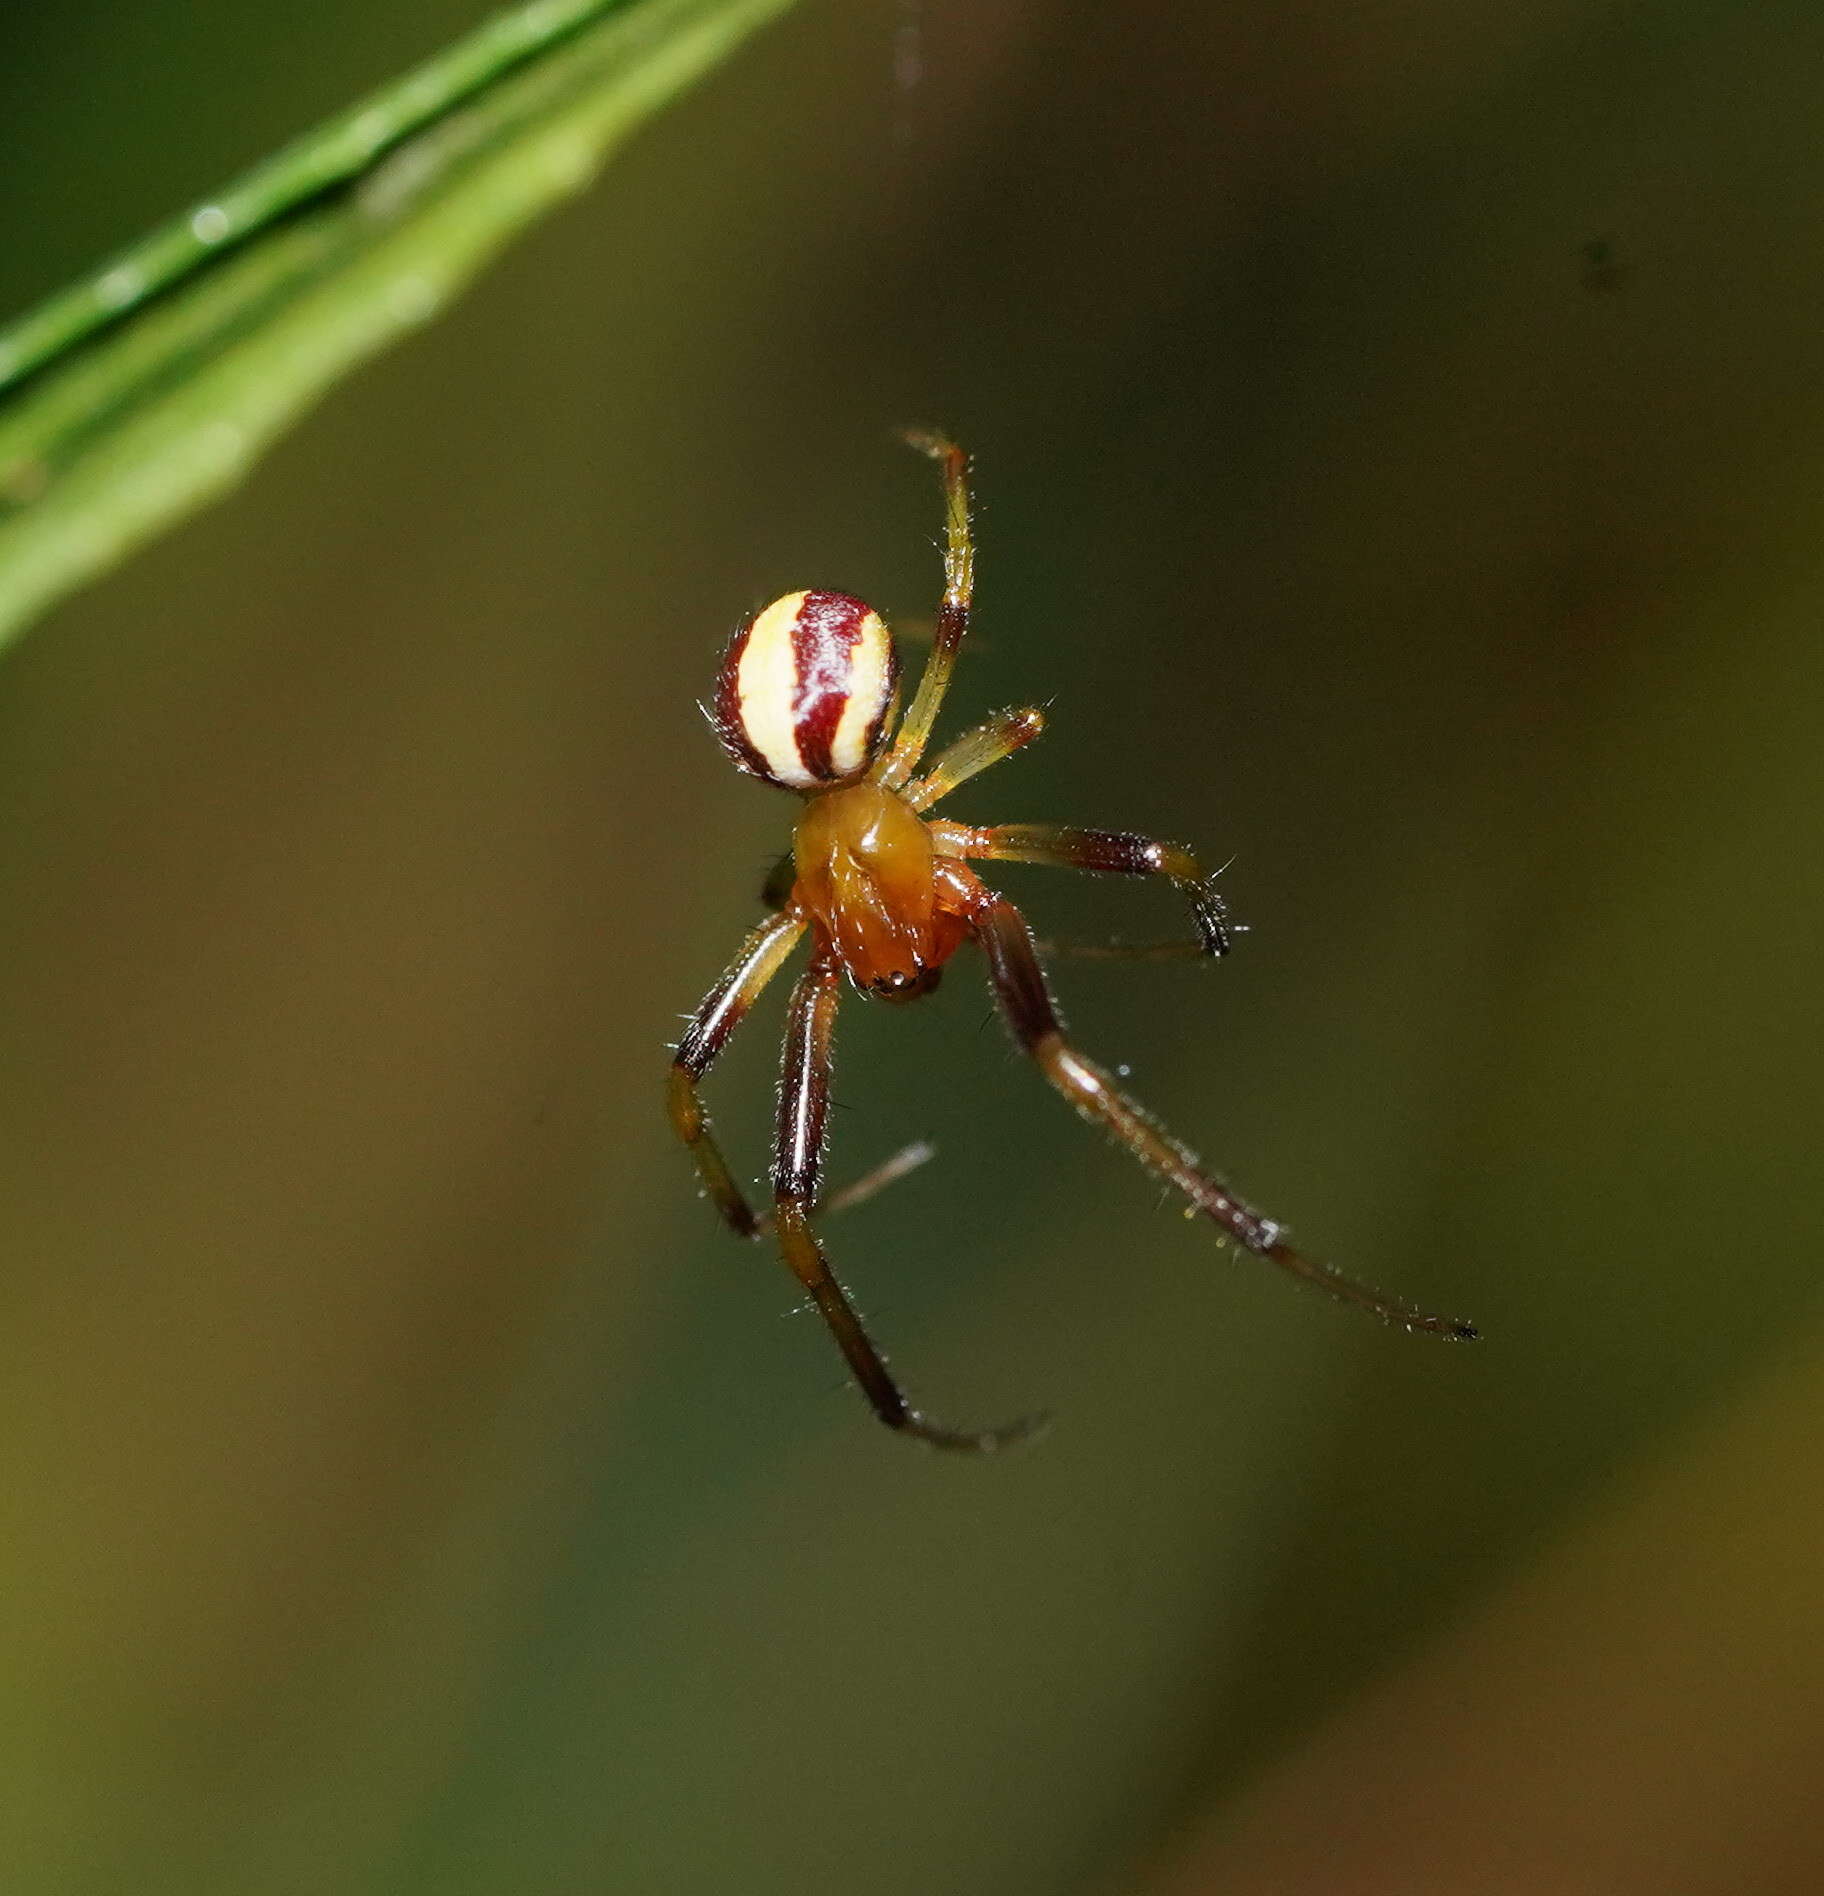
(330, 154)
(162, 403)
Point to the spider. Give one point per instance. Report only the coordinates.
(805, 700)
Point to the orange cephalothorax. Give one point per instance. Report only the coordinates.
(867, 879)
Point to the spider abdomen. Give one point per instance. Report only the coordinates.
(805, 689)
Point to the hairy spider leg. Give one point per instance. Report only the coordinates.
(908, 746)
(1019, 987)
(762, 955)
(1103, 852)
(992, 740)
(804, 1099)
(995, 739)
(723, 1009)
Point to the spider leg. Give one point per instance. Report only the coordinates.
(1180, 950)
(901, 758)
(776, 892)
(761, 956)
(997, 737)
(1019, 986)
(1104, 852)
(804, 1098)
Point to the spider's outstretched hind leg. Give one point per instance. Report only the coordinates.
(804, 1098)
(1019, 986)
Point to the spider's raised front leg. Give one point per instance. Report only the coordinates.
(1103, 852)
(761, 957)
(1019, 986)
(804, 1099)
(900, 759)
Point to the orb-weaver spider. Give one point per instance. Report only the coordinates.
(804, 700)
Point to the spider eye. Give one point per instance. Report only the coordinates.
(805, 689)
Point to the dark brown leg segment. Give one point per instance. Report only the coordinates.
(708, 1033)
(804, 1098)
(1019, 985)
(1114, 853)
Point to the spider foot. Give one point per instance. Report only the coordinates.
(1394, 1310)
(970, 1442)
(1451, 1329)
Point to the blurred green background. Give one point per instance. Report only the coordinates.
(1398, 443)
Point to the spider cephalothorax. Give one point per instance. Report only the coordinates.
(805, 700)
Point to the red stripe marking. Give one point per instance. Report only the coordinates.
(725, 711)
(824, 637)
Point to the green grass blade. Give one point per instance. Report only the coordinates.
(128, 407)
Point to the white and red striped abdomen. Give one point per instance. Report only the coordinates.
(804, 691)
